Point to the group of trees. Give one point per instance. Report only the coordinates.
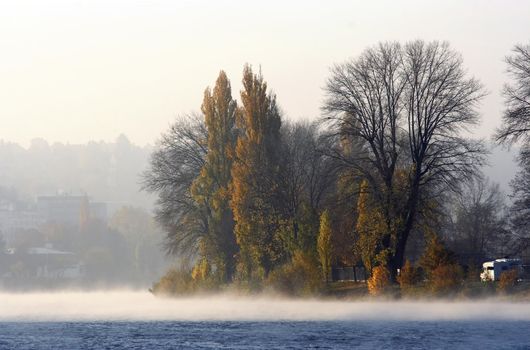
(247, 193)
(240, 186)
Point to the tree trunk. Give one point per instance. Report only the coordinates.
(396, 262)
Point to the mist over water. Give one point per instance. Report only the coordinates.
(143, 306)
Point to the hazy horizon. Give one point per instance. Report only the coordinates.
(75, 71)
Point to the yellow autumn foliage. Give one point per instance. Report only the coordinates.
(379, 282)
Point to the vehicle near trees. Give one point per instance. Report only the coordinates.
(492, 270)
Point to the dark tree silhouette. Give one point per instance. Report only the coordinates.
(479, 228)
(516, 128)
(405, 108)
(176, 162)
(516, 118)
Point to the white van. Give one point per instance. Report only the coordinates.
(492, 270)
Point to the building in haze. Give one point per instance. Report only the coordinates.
(65, 210)
(69, 210)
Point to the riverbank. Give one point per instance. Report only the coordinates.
(357, 291)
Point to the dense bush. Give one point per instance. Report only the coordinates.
(473, 273)
(507, 281)
(435, 255)
(203, 276)
(445, 279)
(185, 281)
(175, 281)
(301, 276)
(201, 271)
(379, 282)
(408, 278)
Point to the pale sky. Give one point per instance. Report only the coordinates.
(73, 71)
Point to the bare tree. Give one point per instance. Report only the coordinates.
(363, 103)
(176, 162)
(405, 108)
(516, 118)
(479, 228)
(520, 209)
(308, 173)
(307, 178)
(516, 128)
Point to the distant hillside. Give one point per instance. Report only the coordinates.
(107, 172)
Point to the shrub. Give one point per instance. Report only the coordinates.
(201, 271)
(473, 273)
(408, 277)
(247, 278)
(379, 282)
(203, 277)
(435, 255)
(175, 281)
(445, 279)
(444, 274)
(301, 276)
(182, 280)
(507, 281)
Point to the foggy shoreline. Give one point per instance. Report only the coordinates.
(122, 305)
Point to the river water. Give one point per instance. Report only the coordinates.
(137, 320)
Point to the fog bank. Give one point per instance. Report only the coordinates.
(142, 306)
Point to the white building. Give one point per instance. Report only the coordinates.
(13, 221)
(66, 209)
(59, 209)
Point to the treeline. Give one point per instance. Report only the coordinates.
(255, 199)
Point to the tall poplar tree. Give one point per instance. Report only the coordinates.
(210, 189)
(255, 179)
(370, 229)
(324, 245)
